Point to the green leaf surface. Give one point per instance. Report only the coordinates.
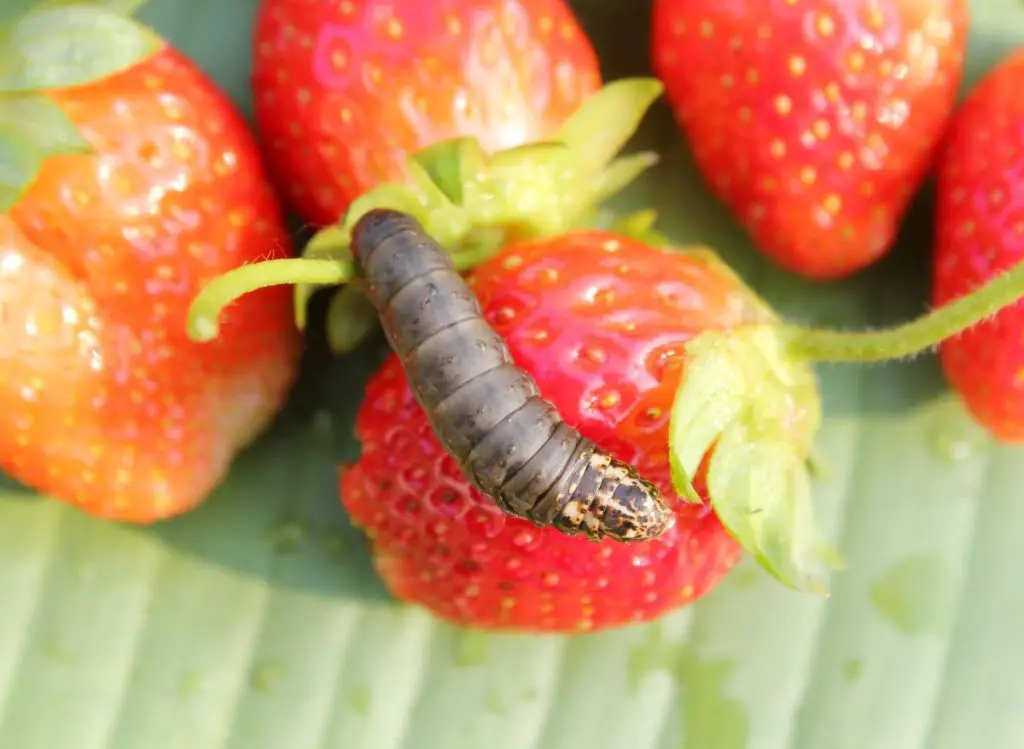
(257, 622)
(68, 44)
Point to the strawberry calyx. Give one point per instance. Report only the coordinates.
(471, 202)
(57, 44)
(754, 410)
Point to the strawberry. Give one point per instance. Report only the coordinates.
(345, 91)
(601, 321)
(104, 400)
(814, 121)
(980, 234)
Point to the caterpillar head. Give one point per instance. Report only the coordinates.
(612, 500)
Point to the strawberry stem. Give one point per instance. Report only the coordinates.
(206, 307)
(914, 337)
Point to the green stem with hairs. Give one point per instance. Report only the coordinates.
(926, 332)
(205, 310)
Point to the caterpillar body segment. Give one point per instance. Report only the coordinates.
(488, 414)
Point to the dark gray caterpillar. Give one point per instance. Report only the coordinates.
(488, 414)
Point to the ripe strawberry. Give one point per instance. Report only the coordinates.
(600, 321)
(104, 401)
(815, 121)
(979, 235)
(345, 91)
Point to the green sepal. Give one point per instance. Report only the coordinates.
(351, 319)
(474, 203)
(445, 164)
(640, 225)
(621, 173)
(19, 165)
(32, 128)
(756, 410)
(58, 45)
(604, 122)
(38, 119)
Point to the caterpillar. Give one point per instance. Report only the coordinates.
(488, 414)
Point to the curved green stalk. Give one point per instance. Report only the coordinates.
(926, 332)
(205, 309)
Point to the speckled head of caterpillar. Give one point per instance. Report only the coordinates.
(610, 500)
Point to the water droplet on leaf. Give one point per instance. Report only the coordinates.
(359, 699)
(288, 535)
(915, 595)
(953, 435)
(710, 717)
(471, 649)
(852, 669)
(494, 702)
(265, 676)
(191, 684)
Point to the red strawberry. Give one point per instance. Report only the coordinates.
(104, 401)
(600, 321)
(980, 234)
(814, 121)
(345, 91)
